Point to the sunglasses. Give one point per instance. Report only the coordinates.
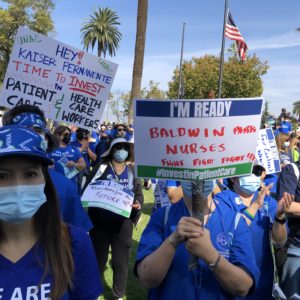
(121, 129)
(66, 135)
(121, 146)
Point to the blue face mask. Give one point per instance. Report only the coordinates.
(208, 186)
(249, 184)
(120, 155)
(20, 202)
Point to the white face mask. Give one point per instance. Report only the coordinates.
(20, 202)
(286, 144)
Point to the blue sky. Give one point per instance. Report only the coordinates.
(267, 26)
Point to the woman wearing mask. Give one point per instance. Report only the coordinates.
(282, 142)
(261, 212)
(110, 229)
(40, 256)
(222, 243)
(73, 160)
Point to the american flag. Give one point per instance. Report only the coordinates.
(233, 33)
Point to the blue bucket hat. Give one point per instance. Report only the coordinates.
(20, 141)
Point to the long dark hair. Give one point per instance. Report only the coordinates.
(55, 239)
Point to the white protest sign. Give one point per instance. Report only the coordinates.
(108, 195)
(196, 139)
(69, 85)
(267, 152)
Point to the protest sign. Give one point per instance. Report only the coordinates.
(196, 139)
(109, 195)
(69, 85)
(267, 152)
(70, 172)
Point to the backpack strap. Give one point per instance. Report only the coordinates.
(99, 172)
(296, 170)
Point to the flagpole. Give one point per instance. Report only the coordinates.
(180, 84)
(222, 51)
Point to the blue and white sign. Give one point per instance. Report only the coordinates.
(196, 139)
(266, 151)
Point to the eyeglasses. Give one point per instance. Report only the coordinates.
(121, 146)
(121, 129)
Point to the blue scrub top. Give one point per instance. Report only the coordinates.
(180, 283)
(84, 153)
(19, 280)
(260, 230)
(70, 152)
(70, 205)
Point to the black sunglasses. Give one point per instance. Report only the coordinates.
(121, 129)
(121, 146)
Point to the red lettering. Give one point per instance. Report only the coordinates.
(193, 148)
(181, 131)
(184, 149)
(221, 148)
(170, 150)
(206, 132)
(244, 130)
(164, 132)
(153, 132)
(193, 132)
(219, 133)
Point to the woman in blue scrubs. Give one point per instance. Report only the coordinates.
(226, 264)
(40, 256)
(263, 216)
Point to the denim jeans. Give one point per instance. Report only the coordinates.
(290, 282)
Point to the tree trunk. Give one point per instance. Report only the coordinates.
(138, 54)
(99, 50)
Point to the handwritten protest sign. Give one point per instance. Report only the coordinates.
(266, 151)
(69, 85)
(196, 139)
(109, 195)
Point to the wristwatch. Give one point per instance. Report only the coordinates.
(280, 221)
(214, 265)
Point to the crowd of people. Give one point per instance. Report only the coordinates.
(51, 247)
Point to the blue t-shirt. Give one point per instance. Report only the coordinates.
(180, 283)
(285, 127)
(70, 153)
(260, 231)
(84, 153)
(71, 209)
(19, 280)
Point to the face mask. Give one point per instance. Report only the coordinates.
(249, 184)
(20, 202)
(120, 155)
(66, 139)
(208, 186)
(286, 144)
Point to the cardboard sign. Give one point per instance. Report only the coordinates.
(196, 139)
(267, 152)
(108, 195)
(69, 85)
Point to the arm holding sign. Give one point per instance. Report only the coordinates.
(79, 165)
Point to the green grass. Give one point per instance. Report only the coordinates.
(134, 290)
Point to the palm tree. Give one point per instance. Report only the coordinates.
(296, 108)
(102, 28)
(138, 54)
